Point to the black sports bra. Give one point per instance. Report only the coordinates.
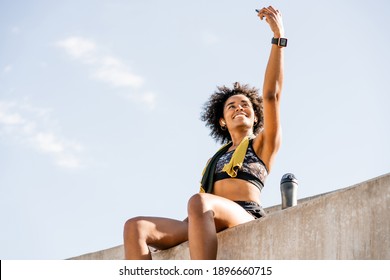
(253, 168)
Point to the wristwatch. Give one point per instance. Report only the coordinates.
(281, 42)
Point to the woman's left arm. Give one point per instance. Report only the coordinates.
(268, 141)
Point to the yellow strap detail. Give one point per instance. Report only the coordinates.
(237, 158)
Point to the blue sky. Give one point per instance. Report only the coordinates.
(100, 108)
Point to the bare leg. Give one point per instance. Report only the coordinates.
(160, 233)
(207, 215)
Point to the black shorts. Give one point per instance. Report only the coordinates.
(252, 208)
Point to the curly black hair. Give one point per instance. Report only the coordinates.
(213, 109)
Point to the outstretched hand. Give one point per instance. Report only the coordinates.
(274, 19)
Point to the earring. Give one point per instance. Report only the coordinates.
(255, 123)
(223, 127)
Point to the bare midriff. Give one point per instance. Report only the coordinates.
(237, 190)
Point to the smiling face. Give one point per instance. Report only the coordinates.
(238, 113)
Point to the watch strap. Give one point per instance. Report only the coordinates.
(281, 42)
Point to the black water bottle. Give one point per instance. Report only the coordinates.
(289, 189)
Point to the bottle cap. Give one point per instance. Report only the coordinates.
(288, 177)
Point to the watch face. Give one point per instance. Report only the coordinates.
(283, 42)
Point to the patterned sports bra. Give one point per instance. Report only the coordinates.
(253, 168)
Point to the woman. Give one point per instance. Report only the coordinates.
(234, 177)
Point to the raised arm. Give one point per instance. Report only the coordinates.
(268, 141)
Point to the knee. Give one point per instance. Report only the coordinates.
(198, 204)
(135, 228)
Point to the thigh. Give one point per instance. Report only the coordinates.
(164, 233)
(227, 213)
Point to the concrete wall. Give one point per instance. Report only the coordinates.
(351, 223)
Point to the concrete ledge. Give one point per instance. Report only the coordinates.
(114, 253)
(351, 223)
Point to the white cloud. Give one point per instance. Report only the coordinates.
(15, 30)
(106, 68)
(113, 72)
(69, 161)
(79, 48)
(31, 126)
(7, 68)
(10, 119)
(147, 98)
(47, 142)
(209, 38)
